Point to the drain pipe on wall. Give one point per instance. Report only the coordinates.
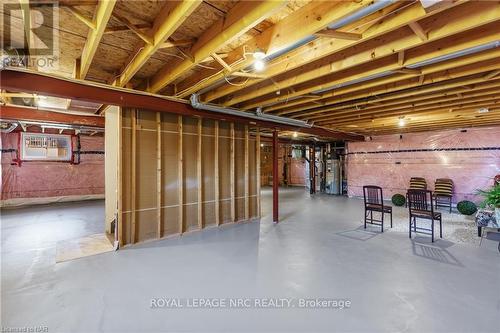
(195, 103)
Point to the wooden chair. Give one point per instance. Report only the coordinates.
(443, 192)
(416, 183)
(374, 202)
(420, 205)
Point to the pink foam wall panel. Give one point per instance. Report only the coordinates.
(471, 159)
(36, 179)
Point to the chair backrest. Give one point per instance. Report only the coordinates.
(373, 195)
(443, 186)
(418, 183)
(420, 200)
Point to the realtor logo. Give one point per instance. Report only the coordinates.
(30, 34)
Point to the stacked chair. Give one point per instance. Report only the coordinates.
(416, 183)
(443, 192)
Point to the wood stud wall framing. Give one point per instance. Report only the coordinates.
(180, 174)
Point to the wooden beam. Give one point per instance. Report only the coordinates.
(79, 15)
(180, 176)
(331, 33)
(322, 48)
(408, 99)
(172, 15)
(311, 18)
(247, 177)
(409, 87)
(248, 75)
(232, 182)
(375, 68)
(221, 62)
(140, 26)
(158, 175)
(133, 176)
(408, 71)
(175, 43)
(243, 16)
(50, 85)
(216, 173)
(314, 78)
(401, 58)
(417, 30)
(492, 74)
(144, 36)
(101, 18)
(199, 176)
(257, 162)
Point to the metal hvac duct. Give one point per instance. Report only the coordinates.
(195, 103)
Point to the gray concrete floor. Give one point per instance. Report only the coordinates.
(319, 250)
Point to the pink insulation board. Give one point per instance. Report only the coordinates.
(385, 161)
(39, 179)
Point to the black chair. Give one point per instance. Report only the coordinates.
(374, 202)
(420, 205)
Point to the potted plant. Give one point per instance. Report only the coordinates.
(492, 199)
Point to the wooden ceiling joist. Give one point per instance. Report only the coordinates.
(238, 20)
(322, 48)
(458, 67)
(170, 18)
(311, 18)
(331, 33)
(316, 74)
(101, 17)
(415, 100)
(81, 16)
(144, 36)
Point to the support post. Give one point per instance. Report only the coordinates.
(247, 177)
(198, 176)
(257, 162)
(133, 175)
(216, 173)
(158, 173)
(231, 175)
(179, 171)
(275, 176)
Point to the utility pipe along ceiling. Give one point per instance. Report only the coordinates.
(355, 67)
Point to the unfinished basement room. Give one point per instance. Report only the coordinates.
(250, 166)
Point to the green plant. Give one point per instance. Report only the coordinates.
(398, 199)
(491, 197)
(466, 207)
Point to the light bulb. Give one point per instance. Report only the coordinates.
(259, 65)
(295, 134)
(401, 122)
(259, 55)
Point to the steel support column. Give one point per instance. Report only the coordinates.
(276, 176)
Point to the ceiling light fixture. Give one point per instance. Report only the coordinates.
(401, 122)
(259, 63)
(295, 134)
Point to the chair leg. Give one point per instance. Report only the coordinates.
(432, 230)
(382, 223)
(371, 216)
(409, 225)
(415, 224)
(366, 216)
(450, 205)
(440, 228)
(391, 219)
